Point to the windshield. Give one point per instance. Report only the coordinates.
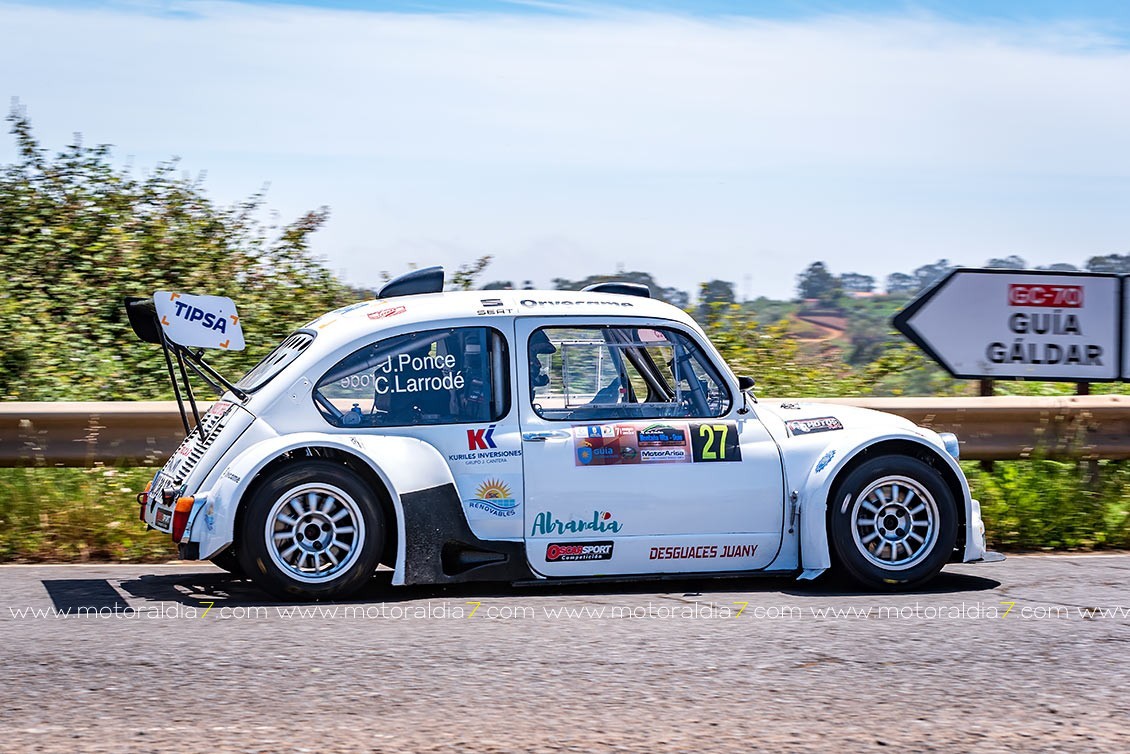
(276, 361)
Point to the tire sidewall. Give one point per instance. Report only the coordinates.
(254, 556)
(229, 561)
(841, 527)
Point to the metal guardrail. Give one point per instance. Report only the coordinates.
(990, 429)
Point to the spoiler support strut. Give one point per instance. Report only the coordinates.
(143, 319)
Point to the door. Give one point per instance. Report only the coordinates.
(636, 459)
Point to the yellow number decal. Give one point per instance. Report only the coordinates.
(722, 430)
(708, 453)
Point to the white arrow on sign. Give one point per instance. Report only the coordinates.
(1005, 324)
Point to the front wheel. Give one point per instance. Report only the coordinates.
(314, 530)
(893, 522)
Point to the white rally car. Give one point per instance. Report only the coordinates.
(525, 435)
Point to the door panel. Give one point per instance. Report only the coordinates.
(641, 495)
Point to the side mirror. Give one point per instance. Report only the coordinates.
(746, 383)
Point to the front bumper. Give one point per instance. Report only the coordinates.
(975, 548)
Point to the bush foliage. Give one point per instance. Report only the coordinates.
(78, 235)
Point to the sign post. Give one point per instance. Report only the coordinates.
(1004, 324)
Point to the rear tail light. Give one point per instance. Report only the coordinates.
(180, 516)
(143, 500)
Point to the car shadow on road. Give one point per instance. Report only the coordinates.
(224, 589)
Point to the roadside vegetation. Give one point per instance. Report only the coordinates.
(78, 234)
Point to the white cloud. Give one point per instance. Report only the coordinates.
(874, 143)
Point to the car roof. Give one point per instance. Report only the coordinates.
(439, 309)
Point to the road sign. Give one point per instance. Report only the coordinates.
(1125, 329)
(1005, 324)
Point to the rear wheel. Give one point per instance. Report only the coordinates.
(893, 522)
(229, 561)
(314, 530)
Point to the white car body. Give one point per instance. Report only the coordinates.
(551, 516)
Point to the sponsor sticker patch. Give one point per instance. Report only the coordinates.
(557, 552)
(797, 427)
(825, 460)
(674, 442)
(545, 523)
(390, 311)
(493, 496)
(702, 552)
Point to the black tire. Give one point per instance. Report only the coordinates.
(316, 510)
(892, 522)
(229, 561)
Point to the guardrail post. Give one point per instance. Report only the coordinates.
(987, 389)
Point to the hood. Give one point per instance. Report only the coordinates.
(801, 419)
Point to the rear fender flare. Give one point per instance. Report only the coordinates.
(403, 464)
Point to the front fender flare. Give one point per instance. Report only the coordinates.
(816, 487)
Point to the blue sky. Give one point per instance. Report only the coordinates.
(1102, 11)
(695, 140)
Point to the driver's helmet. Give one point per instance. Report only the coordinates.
(539, 346)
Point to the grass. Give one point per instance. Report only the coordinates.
(49, 514)
(1054, 505)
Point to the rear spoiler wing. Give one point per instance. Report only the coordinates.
(147, 325)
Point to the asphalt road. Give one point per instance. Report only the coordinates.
(1028, 655)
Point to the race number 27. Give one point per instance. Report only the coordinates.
(715, 442)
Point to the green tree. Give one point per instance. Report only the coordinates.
(673, 296)
(816, 281)
(901, 284)
(463, 279)
(498, 285)
(716, 292)
(1011, 262)
(928, 274)
(1117, 263)
(77, 235)
(856, 283)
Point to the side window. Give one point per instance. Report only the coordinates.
(452, 376)
(595, 373)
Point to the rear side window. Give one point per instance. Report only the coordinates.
(276, 361)
(452, 376)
